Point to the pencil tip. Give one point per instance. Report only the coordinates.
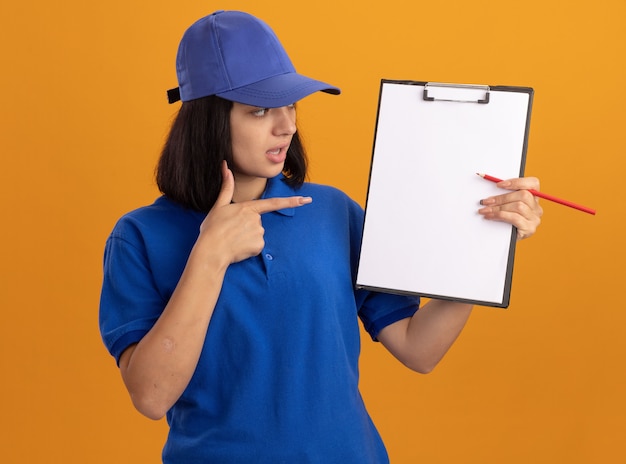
(479, 174)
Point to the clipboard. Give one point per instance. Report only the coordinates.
(422, 234)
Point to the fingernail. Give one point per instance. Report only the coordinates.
(505, 184)
(487, 201)
(305, 200)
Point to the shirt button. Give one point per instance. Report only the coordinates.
(269, 257)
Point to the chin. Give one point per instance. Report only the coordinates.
(276, 170)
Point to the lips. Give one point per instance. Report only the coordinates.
(277, 154)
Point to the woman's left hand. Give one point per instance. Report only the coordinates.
(519, 207)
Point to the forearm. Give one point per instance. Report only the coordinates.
(421, 341)
(158, 369)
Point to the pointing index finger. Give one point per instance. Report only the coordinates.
(274, 204)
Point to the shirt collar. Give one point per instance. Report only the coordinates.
(277, 187)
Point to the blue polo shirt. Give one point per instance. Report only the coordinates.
(277, 380)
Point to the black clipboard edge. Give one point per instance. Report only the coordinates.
(504, 304)
(506, 297)
(510, 262)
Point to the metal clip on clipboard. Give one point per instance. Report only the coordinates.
(464, 93)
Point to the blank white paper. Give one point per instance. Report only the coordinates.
(422, 233)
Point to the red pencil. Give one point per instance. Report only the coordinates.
(539, 194)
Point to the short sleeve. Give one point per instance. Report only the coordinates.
(130, 302)
(378, 310)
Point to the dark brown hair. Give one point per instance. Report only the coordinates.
(189, 169)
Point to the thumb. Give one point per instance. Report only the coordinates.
(228, 187)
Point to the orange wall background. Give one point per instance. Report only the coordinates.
(83, 117)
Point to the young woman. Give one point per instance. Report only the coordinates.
(229, 304)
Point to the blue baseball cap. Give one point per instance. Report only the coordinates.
(238, 57)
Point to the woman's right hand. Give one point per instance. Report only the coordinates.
(234, 229)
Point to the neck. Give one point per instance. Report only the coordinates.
(247, 188)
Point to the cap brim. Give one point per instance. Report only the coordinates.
(277, 91)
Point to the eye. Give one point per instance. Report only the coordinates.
(260, 112)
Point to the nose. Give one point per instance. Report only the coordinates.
(285, 120)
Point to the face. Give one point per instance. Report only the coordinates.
(260, 139)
